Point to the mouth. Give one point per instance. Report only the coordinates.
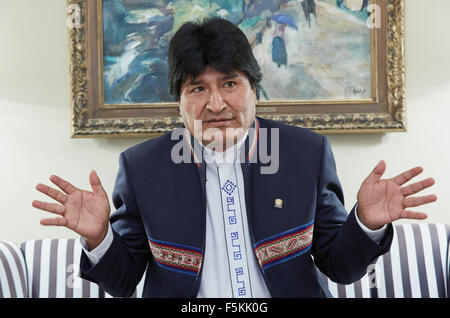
(219, 122)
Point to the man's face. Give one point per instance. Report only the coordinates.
(224, 103)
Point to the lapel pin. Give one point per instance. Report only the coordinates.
(278, 203)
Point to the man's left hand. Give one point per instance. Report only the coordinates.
(382, 201)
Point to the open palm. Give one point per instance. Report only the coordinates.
(382, 201)
(82, 211)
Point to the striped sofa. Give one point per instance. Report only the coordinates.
(416, 266)
(47, 268)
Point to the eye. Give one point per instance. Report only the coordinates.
(197, 89)
(230, 84)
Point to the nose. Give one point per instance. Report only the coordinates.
(216, 103)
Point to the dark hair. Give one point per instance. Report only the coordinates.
(216, 42)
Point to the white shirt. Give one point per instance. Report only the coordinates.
(215, 280)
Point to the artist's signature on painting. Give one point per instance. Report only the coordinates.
(359, 91)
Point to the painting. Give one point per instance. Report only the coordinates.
(328, 65)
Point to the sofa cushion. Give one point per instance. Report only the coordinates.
(13, 280)
(53, 267)
(416, 266)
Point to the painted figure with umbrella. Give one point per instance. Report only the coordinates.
(309, 7)
(279, 52)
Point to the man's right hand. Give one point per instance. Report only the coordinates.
(84, 212)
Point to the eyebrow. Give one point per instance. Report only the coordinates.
(229, 76)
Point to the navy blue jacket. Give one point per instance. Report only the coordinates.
(160, 220)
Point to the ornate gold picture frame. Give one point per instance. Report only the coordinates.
(381, 110)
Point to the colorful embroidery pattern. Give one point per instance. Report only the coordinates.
(284, 246)
(177, 257)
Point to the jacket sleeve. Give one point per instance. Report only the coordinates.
(121, 268)
(341, 249)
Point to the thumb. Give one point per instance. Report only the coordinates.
(376, 173)
(95, 182)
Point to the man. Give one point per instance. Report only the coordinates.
(220, 227)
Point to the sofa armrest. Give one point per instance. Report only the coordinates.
(13, 280)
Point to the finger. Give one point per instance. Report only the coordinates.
(417, 201)
(95, 182)
(376, 173)
(63, 184)
(417, 187)
(408, 175)
(407, 214)
(52, 193)
(49, 207)
(54, 222)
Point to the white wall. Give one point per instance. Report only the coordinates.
(35, 116)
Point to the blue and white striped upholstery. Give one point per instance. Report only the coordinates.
(13, 280)
(417, 266)
(53, 270)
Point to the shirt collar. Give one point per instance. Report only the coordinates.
(228, 156)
